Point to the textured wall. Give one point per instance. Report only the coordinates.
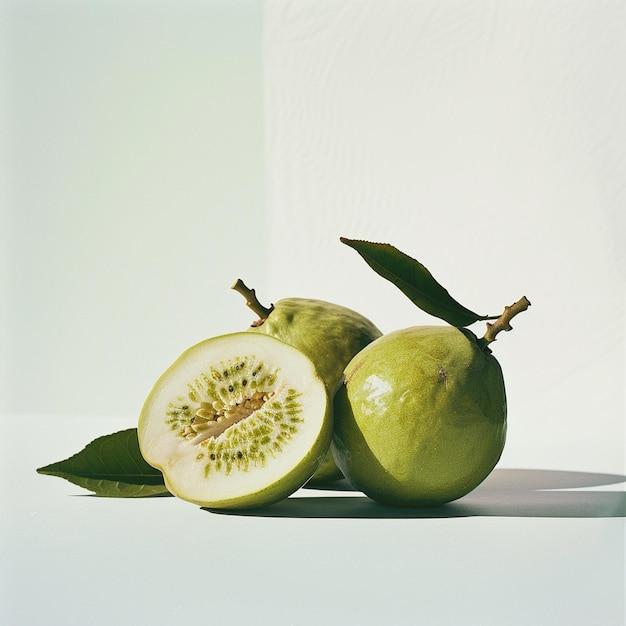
(487, 140)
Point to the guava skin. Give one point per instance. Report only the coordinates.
(421, 417)
(330, 335)
(327, 472)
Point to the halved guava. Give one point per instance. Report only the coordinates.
(241, 420)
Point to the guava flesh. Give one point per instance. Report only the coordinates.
(237, 421)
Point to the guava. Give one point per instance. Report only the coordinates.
(421, 417)
(329, 334)
(241, 420)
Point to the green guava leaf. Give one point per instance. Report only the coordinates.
(415, 281)
(111, 466)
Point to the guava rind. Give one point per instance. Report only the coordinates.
(421, 418)
(179, 460)
(327, 472)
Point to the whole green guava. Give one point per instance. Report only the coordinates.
(329, 334)
(421, 417)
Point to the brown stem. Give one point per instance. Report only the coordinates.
(252, 302)
(502, 323)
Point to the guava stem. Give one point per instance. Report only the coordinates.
(503, 322)
(252, 301)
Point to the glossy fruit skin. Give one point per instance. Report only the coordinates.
(330, 335)
(421, 417)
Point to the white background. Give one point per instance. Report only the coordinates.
(487, 141)
(154, 152)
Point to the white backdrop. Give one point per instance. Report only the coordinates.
(488, 141)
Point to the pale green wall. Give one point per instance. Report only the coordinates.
(133, 192)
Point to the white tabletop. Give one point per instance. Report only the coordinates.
(529, 546)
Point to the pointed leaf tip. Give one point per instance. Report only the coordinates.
(111, 466)
(414, 280)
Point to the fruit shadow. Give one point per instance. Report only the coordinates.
(505, 493)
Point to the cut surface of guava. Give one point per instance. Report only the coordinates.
(240, 420)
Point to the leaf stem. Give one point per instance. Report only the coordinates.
(252, 301)
(503, 322)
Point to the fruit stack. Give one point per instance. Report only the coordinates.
(313, 393)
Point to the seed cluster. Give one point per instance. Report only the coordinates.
(213, 418)
(179, 415)
(253, 441)
(237, 414)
